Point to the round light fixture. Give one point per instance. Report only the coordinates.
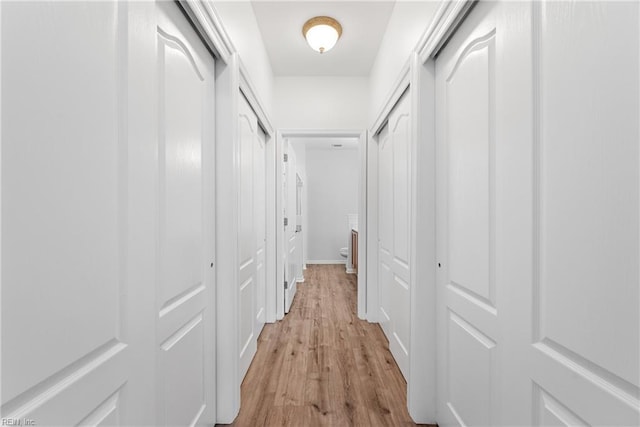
(322, 33)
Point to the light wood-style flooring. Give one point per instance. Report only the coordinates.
(321, 365)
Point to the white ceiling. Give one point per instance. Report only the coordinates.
(363, 26)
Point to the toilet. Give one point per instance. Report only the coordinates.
(344, 252)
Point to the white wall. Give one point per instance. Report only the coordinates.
(240, 23)
(410, 19)
(332, 194)
(335, 103)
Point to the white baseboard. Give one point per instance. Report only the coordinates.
(327, 261)
(351, 270)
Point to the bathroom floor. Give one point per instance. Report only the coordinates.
(322, 365)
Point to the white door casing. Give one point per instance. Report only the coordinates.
(394, 192)
(538, 218)
(113, 326)
(363, 143)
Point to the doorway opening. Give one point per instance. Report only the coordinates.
(322, 201)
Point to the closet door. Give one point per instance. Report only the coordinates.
(394, 194)
(585, 293)
(538, 217)
(248, 139)
(469, 309)
(185, 222)
(251, 232)
(260, 208)
(107, 215)
(66, 350)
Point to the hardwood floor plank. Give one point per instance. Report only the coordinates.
(348, 386)
(290, 389)
(321, 365)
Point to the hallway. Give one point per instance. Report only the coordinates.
(321, 365)
(167, 168)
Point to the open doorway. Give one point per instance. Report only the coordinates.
(322, 204)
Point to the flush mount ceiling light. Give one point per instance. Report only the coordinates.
(322, 33)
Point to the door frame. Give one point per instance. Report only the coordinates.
(281, 136)
(417, 76)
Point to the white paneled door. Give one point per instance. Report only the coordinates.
(299, 274)
(107, 216)
(260, 213)
(185, 215)
(292, 243)
(65, 355)
(251, 233)
(394, 194)
(537, 109)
